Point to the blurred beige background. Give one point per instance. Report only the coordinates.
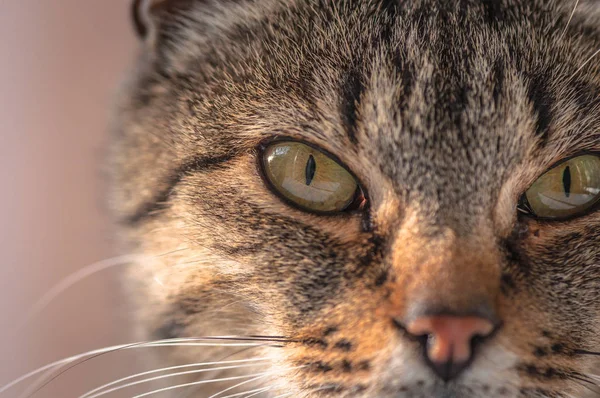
(61, 64)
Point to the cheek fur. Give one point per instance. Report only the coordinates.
(446, 114)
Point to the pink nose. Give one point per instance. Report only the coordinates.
(450, 341)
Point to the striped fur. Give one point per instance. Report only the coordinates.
(446, 111)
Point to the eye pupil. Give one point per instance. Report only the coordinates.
(311, 169)
(567, 181)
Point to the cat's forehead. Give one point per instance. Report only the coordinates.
(438, 98)
(438, 92)
(439, 69)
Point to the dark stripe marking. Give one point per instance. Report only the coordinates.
(160, 201)
(390, 6)
(498, 76)
(543, 102)
(494, 11)
(352, 89)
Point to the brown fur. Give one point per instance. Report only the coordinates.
(446, 111)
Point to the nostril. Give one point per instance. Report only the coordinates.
(449, 341)
(448, 370)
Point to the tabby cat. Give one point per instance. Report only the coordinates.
(375, 198)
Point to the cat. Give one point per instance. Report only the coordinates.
(374, 198)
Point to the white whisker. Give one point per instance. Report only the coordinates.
(284, 395)
(236, 386)
(39, 382)
(243, 394)
(78, 276)
(265, 389)
(124, 379)
(585, 63)
(570, 19)
(594, 377)
(59, 363)
(212, 345)
(143, 344)
(254, 377)
(249, 381)
(188, 372)
(73, 279)
(196, 383)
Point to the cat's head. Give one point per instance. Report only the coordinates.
(406, 190)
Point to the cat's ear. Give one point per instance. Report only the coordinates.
(147, 15)
(142, 17)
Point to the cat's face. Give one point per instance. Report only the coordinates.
(445, 113)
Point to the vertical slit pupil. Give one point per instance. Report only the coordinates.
(311, 169)
(567, 181)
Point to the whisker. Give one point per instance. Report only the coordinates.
(59, 363)
(594, 377)
(584, 352)
(79, 275)
(258, 393)
(170, 344)
(253, 380)
(252, 392)
(276, 339)
(214, 345)
(71, 280)
(286, 395)
(235, 386)
(87, 356)
(48, 378)
(570, 19)
(148, 380)
(198, 383)
(266, 389)
(124, 379)
(29, 391)
(585, 63)
(585, 382)
(192, 391)
(255, 377)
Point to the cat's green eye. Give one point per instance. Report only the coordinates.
(309, 178)
(567, 190)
